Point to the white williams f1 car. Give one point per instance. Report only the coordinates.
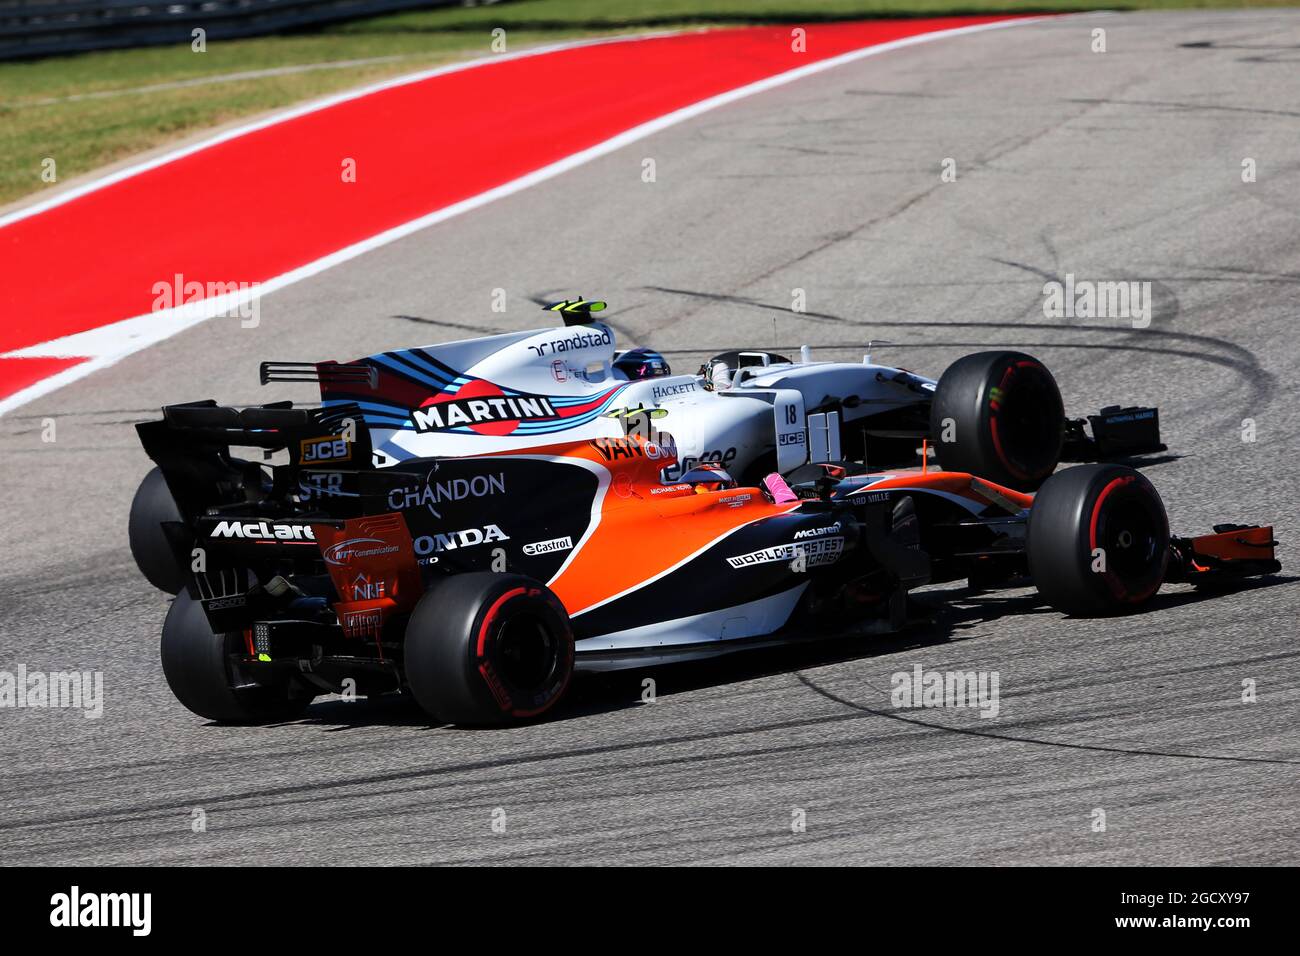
(996, 414)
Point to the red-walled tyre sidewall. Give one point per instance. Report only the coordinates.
(1098, 540)
(998, 415)
(488, 649)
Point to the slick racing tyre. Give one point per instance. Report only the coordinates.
(1098, 540)
(199, 669)
(998, 415)
(488, 649)
(153, 504)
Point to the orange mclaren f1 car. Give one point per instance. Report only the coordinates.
(471, 522)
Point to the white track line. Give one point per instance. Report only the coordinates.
(109, 344)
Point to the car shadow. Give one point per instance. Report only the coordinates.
(1144, 461)
(335, 714)
(1166, 600)
(936, 618)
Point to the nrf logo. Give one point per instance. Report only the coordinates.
(76, 909)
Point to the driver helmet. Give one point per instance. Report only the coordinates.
(719, 375)
(642, 363)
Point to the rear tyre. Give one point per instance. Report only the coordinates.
(1005, 417)
(153, 504)
(200, 669)
(1098, 540)
(488, 649)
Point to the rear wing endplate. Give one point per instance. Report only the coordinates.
(326, 373)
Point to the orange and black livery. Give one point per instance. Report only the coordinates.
(472, 523)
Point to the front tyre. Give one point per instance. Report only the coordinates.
(1098, 540)
(488, 649)
(200, 667)
(998, 415)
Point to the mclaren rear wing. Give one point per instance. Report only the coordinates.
(192, 444)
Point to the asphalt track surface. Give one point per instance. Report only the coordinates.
(1119, 165)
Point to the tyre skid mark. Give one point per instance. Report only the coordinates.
(1012, 738)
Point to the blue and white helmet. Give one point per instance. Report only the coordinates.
(642, 363)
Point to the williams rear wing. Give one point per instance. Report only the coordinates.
(325, 373)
